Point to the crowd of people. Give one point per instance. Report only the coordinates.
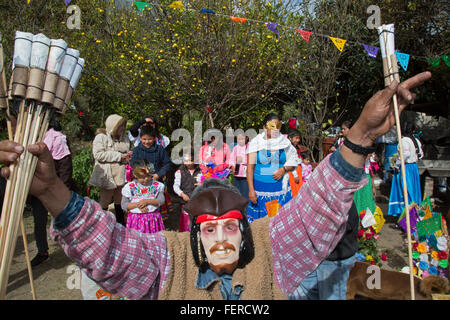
(133, 169)
(279, 231)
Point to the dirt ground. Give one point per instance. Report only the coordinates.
(54, 278)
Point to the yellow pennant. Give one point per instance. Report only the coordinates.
(427, 213)
(177, 5)
(339, 43)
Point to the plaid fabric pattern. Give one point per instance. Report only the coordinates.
(308, 228)
(123, 261)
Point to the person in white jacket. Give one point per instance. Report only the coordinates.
(111, 150)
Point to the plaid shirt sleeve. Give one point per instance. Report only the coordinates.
(308, 227)
(122, 261)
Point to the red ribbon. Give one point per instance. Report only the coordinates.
(233, 214)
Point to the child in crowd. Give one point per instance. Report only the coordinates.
(238, 163)
(345, 128)
(143, 197)
(149, 150)
(187, 178)
(214, 155)
(306, 168)
(295, 177)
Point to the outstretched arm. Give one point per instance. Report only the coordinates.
(309, 227)
(123, 261)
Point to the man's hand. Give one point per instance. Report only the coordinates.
(45, 185)
(378, 115)
(45, 172)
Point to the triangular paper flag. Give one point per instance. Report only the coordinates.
(368, 219)
(177, 5)
(379, 218)
(426, 201)
(446, 59)
(372, 51)
(141, 5)
(403, 59)
(305, 34)
(272, 26)
(339, 43)
(434, 62)
(427, 213)
(203, 10)
(238, 19)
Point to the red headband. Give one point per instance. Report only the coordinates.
(233, 214)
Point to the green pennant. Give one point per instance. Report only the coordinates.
(141, 5)
(446, 60)
(426, 202)
(434, 62)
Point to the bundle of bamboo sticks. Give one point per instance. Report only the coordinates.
(45, 73)
(390, 71)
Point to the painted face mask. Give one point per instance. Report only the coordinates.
(221, 238)
(273, 125)
(219, 234)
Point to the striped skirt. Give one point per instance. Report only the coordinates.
(270, 198)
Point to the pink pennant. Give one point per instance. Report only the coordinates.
(305, 34)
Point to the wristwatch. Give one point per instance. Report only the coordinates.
(358, 148)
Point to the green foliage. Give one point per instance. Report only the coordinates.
(83, 165)
(174, 63)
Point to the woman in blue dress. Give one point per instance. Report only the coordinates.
(412, 152)
(270, 157)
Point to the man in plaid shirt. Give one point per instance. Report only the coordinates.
(305, 231)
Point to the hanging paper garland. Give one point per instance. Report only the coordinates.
(446, 60)
(305, 34)
(203, 10)
(272, 26)
(177, 5)
(371, 51)
(339, 43)
(141, 5)
(403, 59)
(434, 62)
(238, 19)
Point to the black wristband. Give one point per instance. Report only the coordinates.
(357, 148)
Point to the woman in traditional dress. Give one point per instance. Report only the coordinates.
(412, 152)
(270, 157)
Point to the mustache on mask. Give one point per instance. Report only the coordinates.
(221, 246)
